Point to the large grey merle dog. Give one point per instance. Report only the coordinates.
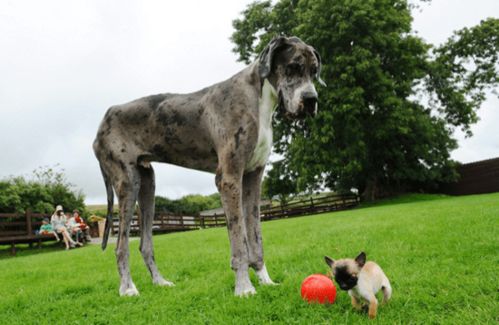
(224, 129)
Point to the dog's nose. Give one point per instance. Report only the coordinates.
(309, 102)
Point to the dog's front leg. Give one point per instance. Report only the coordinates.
(229, 183)
(251, 203)
(355, 302)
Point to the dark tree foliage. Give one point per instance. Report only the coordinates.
(387, 116)
(41, 192)
(279, 182)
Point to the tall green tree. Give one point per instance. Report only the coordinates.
(386, 118)
(279, 182)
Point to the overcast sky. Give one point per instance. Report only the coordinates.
(63, 63)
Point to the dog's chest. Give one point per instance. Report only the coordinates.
(267, 104)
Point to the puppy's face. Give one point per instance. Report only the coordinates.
(346, 271)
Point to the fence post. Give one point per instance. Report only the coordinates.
(139, 216)
(28, 222)
(312, 202)
(112, 226)
(201, 221)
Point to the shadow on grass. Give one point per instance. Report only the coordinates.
(23, 250)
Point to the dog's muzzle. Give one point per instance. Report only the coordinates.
(309, 100)
(308, 105)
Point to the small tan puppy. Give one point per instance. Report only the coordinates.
(362, 280)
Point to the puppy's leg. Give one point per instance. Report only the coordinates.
(146, 204)
(251, 208)
(229, 183)
(373, 308)
(368, 295)
(355, 303)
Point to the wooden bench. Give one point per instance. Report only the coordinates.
(18, 228)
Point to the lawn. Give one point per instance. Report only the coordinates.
(440, 253)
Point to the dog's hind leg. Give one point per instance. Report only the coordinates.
(146, 205)
(127, 188)
(387, 291)
(251, 207)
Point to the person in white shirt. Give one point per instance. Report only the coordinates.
(74, 228)
(58, 221)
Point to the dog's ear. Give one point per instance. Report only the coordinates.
(266, 57)
(329, 261)
(319, 67)
(361, 259)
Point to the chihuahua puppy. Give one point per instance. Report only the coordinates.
(362, 280)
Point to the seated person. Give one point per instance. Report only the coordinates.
(81, 223)
(58, 221)
(46, 229)
(74, 229)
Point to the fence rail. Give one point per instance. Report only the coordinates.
(165, 223)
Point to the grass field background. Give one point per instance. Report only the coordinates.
(440, 253)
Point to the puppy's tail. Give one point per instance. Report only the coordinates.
(110, 205)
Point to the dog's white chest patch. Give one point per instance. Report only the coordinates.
(267, 104)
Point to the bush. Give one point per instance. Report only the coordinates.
(41, 192)
(189, 204)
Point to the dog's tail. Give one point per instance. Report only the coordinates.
(110, 205)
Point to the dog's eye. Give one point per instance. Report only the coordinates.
(293, 69)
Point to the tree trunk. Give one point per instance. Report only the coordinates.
(371, 190)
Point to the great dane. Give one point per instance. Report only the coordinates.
(224, 129)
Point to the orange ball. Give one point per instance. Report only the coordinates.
(318, 288)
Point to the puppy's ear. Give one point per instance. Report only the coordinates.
(329, 261)
(361, 259)
(267, 56)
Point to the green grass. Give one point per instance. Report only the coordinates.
(440, 253)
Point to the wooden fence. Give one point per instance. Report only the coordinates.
(165, 223)
(475, 178)
(18, 228)
(310, 206)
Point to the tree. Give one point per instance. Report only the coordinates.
(279, 182)
(386, 119)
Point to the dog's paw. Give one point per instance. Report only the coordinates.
(129, 291)
(245, 292)
(163, 283)
(264, 278)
